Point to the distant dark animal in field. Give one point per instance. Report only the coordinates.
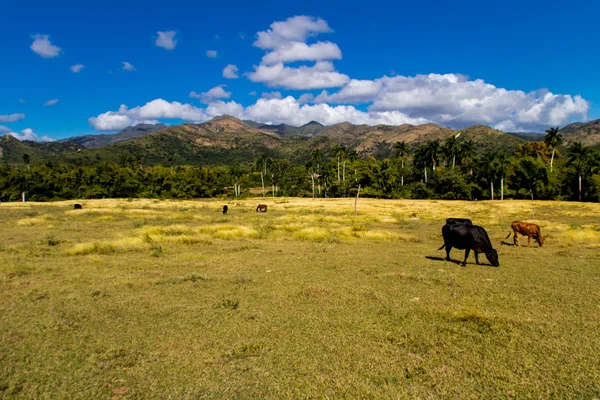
(464, 221)
(225, 208)
(414, 216)
(77, 207)
(469, 237)
(262, 208)
(526, 229)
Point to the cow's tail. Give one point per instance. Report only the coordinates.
(444, 245)
(509, 233)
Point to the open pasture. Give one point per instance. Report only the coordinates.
(172, 299)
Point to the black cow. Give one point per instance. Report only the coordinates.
(77, 207)
(225, 208)
(469, 237)
(464, 221)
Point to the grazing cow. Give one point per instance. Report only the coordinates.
(262, 208)
(469, 237)
(526, 229)
(463, 221)
(225, 208)
(77, 207)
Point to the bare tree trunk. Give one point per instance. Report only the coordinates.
(453, 160)
(23, 196)
(502, 188)
(338, 169)
(356, 200)
(579, 186)
(425, 175)
(272, 187)
(312, 178)
(319, 189)
(532, 205)
(552, 160)
(262, 180)
(402, 181)
(492, 189)
(344, 171)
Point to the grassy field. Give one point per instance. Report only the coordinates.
(172, 299)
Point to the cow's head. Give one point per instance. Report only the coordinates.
(540, 240)
(492, 257)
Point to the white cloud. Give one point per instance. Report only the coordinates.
(11, 117)
(290, 111)
(43, 47)
(110, 121)
(166, 40)
(456, 101)
(300, 51)
(230, 72)
(51, 102)
(128, 67)
(321, 75)
(294, 29)
(211, 53)
(305, 98)
(252, 93)
(77, 68)
(29, 134)
(272, 95)
(355, 91)
(150, 112)
(4, 129)
(286, 43)
(213, 94)
(274, 111)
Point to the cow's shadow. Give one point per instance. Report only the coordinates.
(455, 261)
(503, 243)
(442, 259)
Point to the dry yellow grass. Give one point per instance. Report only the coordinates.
(172, 299)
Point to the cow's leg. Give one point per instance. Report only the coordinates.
(516, 239)
(448, 248)
(528, 241)
(467, 250)
(476, 258)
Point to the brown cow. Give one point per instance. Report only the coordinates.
(526, 229)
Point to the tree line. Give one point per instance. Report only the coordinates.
(433, 170)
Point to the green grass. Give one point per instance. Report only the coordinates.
(147, 299)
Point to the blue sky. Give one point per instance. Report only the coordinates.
(514, 65)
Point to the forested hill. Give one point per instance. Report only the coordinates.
(227, 140)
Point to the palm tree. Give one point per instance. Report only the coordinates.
(338, 151)
(450, 148)
(26, 160)
(579, 156)
(504, 167)
(400, 152)
(420, 159)
(261, 166)
(352, 157)
(466, 153)
(553, 139)
(316, 157)
(433, 150)
(490, 169)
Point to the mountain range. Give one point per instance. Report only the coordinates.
(227, 140)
